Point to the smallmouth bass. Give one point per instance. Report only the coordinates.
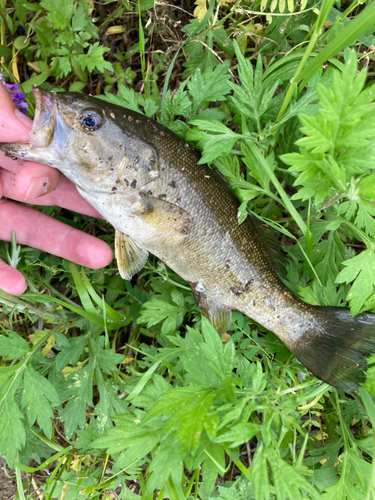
(146, 181)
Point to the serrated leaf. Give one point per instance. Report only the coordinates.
(94, 58)
(59, 12)
(166, 463)
(80, 386)
(37, 395)
(13, 347)
(361, 270)
(221, 360)
(209, 86)
(12, 432)
(105, 359)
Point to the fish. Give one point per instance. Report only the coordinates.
(146, 181)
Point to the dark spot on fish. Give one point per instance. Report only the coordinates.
(44, 184)
(110, 158)
(149, 193)
(227, 266)
(183, 231)
(133, 183)
(126, 181)
(114, 188)
(161, 196)
(120, 145)
(247, 285)
(117, 181)
(150, 208)
(172, 184)
(254, 303)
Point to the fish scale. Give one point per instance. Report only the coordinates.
(147, 182)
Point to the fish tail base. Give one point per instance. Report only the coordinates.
(336, 352)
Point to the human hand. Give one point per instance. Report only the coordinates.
(39, 184)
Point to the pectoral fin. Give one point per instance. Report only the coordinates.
(165, 216)
(130, 258)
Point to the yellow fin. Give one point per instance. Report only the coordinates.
(220, 316)
(165, 216)
(130, 258)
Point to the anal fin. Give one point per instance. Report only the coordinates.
(130, 258)
(220, 316)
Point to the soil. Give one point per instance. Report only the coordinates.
(8, 486)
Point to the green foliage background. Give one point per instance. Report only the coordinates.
(111, 389)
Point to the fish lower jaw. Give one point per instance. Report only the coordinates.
(15, 150)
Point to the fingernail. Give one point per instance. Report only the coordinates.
(38, 187)
(22, 118)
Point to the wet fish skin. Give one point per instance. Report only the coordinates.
(148, 184)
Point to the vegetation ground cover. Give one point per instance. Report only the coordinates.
(115, 389)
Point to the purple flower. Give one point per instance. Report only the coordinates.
(16, 95)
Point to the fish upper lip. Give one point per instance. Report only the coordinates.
(45, 102)
(44, 118)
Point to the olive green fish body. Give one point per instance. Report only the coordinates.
(148, 184)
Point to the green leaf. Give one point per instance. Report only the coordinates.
(155, 311)
(12, 432)
(59, 12)
(213, 465)
(219, 358)
(354, 29)
(13, 347)
(136, 440)
(166, 463)
(94, 58)
(37, 395)
(211, 86)
(361, 270)
(80, 387)
(213, 145)
(105, 359)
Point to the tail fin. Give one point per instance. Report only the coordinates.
(336, 351)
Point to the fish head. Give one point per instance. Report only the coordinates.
(76, 134)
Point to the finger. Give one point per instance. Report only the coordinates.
(36, 179)
(27, 182)
(15, 186)
(11, 280)
(37, 230)
(13, 127)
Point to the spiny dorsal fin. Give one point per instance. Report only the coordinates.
(130, 258)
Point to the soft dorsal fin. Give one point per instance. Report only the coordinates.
(130, 258)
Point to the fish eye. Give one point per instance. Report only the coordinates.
(91, 120)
